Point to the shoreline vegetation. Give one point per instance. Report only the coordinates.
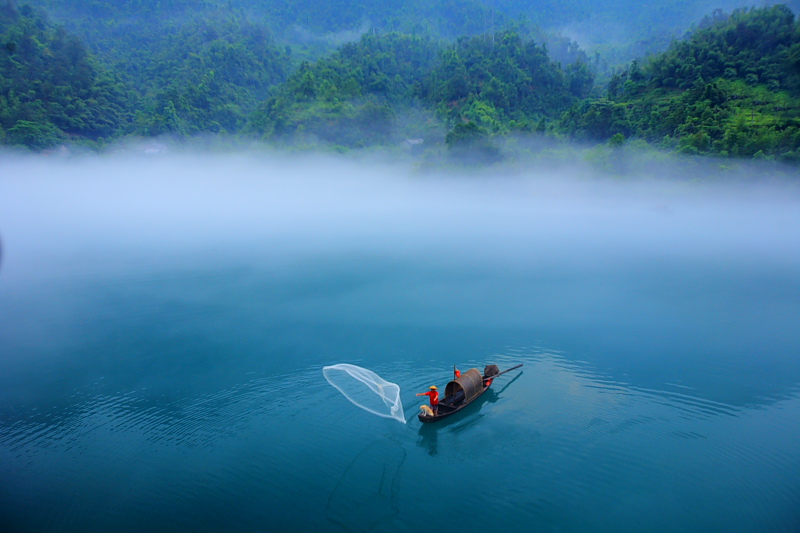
(161, 75)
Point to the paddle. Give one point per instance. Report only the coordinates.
(504, 371)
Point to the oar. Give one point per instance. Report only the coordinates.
(504, 371)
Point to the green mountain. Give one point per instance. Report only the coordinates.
(352, 98)
(733, 88)
(50, 87)
(359, 95)
(612, 32)
(207, 76)
(96, 71)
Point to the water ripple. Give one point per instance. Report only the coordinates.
(560, 432)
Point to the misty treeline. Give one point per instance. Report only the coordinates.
(733, 88)
(458, 76)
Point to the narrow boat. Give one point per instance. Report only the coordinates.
(464, 390)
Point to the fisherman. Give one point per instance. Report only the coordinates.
(434, 395)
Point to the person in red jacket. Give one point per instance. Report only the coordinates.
(434, 395)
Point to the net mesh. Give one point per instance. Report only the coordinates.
(367, 390)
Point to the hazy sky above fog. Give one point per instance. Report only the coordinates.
(56, 215)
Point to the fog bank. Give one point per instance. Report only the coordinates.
(60, 216)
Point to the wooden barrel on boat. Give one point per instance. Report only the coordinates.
(470, 384)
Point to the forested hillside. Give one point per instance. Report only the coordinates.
(622, 30)
(733, 88)
(352, 98)
(50, 88)
(207, 76)
(617, 28)
(487, 86)
(98, 71)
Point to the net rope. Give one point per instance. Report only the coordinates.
(367, 390)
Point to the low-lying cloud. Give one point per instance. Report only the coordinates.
(54, 212)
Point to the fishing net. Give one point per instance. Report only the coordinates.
(367, 390)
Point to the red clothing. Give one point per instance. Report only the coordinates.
(488, 382)
(434, 397)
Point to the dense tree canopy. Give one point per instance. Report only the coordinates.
(116, 68)
(181, 77)
(349, 98)
(733, 88)
(50, 89)
(500, 83)
(205, 77)
(503, 82)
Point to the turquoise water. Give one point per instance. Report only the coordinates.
(164, 324)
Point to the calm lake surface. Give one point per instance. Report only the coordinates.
(164, 323)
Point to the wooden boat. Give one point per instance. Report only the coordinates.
(464, 390)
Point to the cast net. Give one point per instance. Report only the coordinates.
(367, 390)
